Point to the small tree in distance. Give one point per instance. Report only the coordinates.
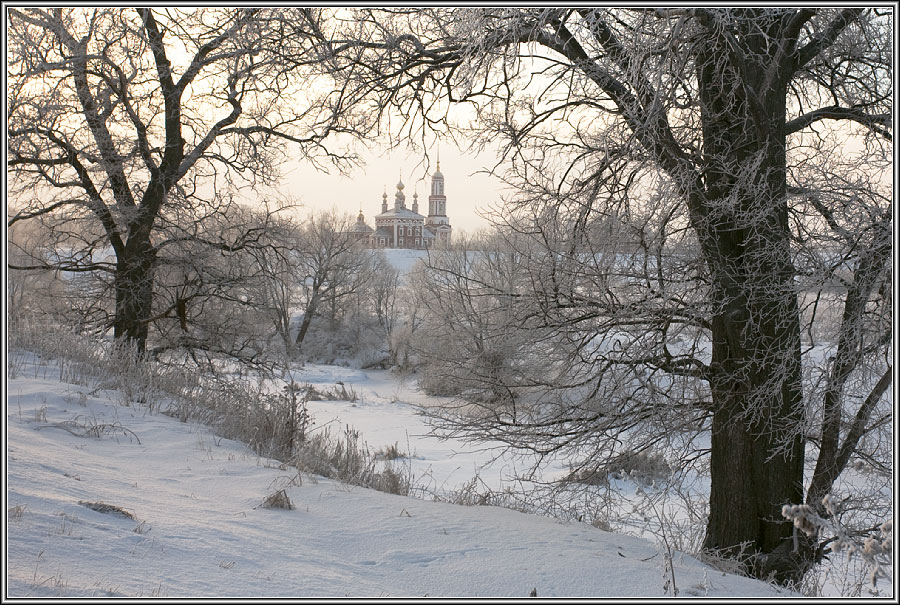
(331, 266)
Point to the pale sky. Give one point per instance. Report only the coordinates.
(467, 191)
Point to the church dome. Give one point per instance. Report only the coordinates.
(400, 197)
(361, 226)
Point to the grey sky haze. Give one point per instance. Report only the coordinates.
(468, 190)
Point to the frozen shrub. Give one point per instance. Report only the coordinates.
(391, 452)
(874, 547)
(643, 467)
(438, 383)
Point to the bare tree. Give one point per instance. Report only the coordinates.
(278, 290)
(122, 118)
(384, 288)
(388, 300)
(697, 119)
(470, 341)
(212, 293)
(331, 266)
(35, 295)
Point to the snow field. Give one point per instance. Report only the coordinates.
(199, 530)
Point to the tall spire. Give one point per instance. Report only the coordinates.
(437, 189)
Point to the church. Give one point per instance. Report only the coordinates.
(402, 227)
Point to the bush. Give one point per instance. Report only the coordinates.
(391, 452)
(643, 467)
(437, 383)
(348, 460)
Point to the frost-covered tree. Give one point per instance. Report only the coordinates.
(277, 290)
(331, 265)
(218, 283)
(388, 302)
(745, 151)
(129, 121)
(473, 339)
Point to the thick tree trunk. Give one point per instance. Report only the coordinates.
(134, 291)
(757, 442)
(757, 439)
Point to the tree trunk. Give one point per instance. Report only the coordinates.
(134, 290)
(757, 441)
(307, 319)
(756, 445)
(833, 456)
(283, 327)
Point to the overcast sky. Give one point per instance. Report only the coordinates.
(467, 190)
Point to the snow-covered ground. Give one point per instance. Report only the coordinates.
(196, 526)
(404, 260)
(387, 413)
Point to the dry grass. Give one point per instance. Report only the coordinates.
(339, 392)
(348, 460)
(275, 426)
(89, 427)
(66, 526)
(391, 452)
(391, 481)
(108, 509)
(14, 513)
(731, 563)
(278, 499)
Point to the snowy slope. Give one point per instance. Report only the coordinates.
(404, 260)
(199, 530)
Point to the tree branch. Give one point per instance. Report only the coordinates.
(834, 29)
(834, 112)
